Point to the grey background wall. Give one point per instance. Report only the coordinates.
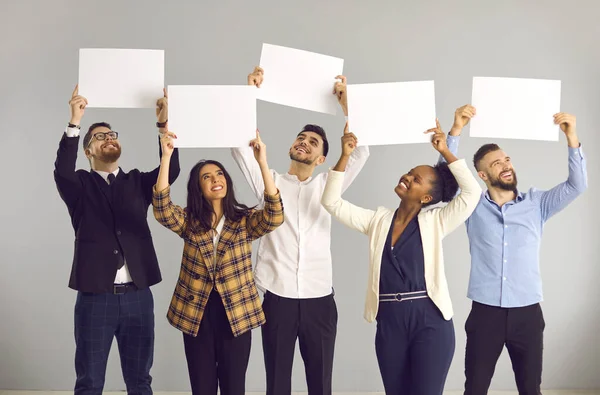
(219, 42)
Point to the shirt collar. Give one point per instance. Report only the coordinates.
(518, 198)
(105, 174)
(293, 177)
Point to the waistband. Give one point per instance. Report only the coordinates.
(402, 296)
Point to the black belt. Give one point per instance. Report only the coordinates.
(124, 288)
(402, 296)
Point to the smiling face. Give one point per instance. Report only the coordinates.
(415, 186)
(213, 183)
(496, 170)
(103, 145)
(307, 149)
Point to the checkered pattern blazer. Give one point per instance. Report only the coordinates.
(231, 274)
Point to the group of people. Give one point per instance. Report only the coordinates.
(216, 301)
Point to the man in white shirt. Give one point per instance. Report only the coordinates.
(294, 267)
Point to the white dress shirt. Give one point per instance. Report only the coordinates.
(294, 261)
(123, 275)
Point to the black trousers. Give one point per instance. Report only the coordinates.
(101, 317)
(489, 329)
(215, 358)
(415, 346)
(314, 323)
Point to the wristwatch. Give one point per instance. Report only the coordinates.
(161, 124)
(70, 125)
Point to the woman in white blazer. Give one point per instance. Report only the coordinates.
(407, 291)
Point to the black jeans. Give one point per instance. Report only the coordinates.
(314, 323)
(489, 329)
(215, 357)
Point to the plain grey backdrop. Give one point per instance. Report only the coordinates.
(219, 42)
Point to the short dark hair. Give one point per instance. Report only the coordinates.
(445, 185)
(88, 135)
(321, 132)
(483, 151)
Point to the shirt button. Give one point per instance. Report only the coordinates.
(228, 300)
(505, 261)
(118, 233)
(506, 226)
(505, 244)
(504, 278)
(190, 298)
(115, 252)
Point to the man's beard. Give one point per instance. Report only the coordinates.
(507, 186)
(110, 156)
(304, 161)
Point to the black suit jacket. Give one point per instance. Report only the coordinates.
(110, 222)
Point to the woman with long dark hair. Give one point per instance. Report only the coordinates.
(407, 293)
(216, 303)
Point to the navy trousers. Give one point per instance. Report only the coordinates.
(414, 346)
(98, 318)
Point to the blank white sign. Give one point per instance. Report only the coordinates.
(515, 108)
(391, 113)
(121, 78)
(300, 79)
(212, 116)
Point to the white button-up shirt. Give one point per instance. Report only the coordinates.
(294, 261)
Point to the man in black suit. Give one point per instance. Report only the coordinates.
(114, 262)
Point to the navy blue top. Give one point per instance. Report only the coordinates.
(403, 267)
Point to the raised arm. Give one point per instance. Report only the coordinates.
(271, 216)
(557, 198)
(67, 181)
(462, 116)
(166, 213)
(244, 156)
(460, 208)
(357, 159)
(267, 219)
(149, 178)
(350, 215)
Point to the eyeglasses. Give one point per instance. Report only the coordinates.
(101, 136)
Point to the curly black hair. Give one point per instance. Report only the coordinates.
(445, 187)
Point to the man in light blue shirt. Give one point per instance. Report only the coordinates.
(505, 285)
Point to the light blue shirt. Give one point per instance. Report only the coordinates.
(505, 241)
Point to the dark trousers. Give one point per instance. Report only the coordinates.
(314, 323)
(415, 346)
(488, 329)
(98, 318)
(215, 358)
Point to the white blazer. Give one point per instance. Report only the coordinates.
(435, 224)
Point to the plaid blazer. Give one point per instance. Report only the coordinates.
(231, 274)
